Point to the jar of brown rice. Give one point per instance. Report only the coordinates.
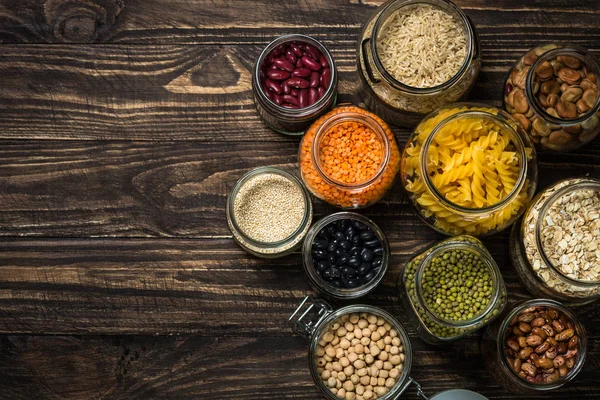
(416, 57)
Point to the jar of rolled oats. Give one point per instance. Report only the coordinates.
(556, 247)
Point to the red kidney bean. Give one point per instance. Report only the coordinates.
(294, 92)
(314, 79)
(284, 64)
(296, 49)
(313, 96)
(286, 88)
(273, 66)
(313, 52)
(288, 98)
(302, 72)
(278, 75)
(323, 61)
(299, 63)
(326, 77)
(289, 54)
(268, 92)
(303, 98)
(321, 90)
(279, 50)
(274, 86)
(298, 83)
(310, 63)
(277, 99)
(270, 59)
(288, 105)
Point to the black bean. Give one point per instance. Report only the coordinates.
(322, 265)
(320, 244)
(372, 243)
(336, 283)
(332, 273)
(366, 255)
(378, 251)
(359, 225)
(341, 260)
(368, 277)
(354, 251)
(377, 262)
(332, 246)
(348, 272)
(346, 245)
(353, 261)
(331, 258)
(325, 235)
(319, 254)
(356, 241)
(352, 283)
(364, 268)
(339, 251)
(330, 229)
(349, 233)
(339, 236)
(367, 235)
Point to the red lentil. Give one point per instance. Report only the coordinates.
(351, 154)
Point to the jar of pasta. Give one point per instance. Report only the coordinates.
(469, 168)
(556, 247)
(552, 92)
(414, 57)
(451, 289)
(349, 158)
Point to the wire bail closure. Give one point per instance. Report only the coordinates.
(307, 328)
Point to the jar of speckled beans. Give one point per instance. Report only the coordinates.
(349, 158)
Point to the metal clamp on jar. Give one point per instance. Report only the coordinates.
(405, 104)
(341, 373)
(451, 289)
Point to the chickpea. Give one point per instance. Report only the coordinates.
(349, 335)
(341, 393)
(358, 333)
(320, 351)
(365, 341)
(380, 391)
(349, 370)
(341, 331)
(352, 357)
(337, 366)
(329, 366)
(359, 349)
(344, 361)
(361, 372)
(364, 380)
(355, 341)
(339, 353)
(342, 376)
(333, 390)
(355, 378)
(360, 389)
(373, 381)
(395, 359)
(338, 384)
(375, 336)
(374, 351)
(379, 364)
(349, 386)
(331, 382)
(330, 351)
(387, 340)
(325, 375)
(354, 318)
(396, 341)
(327, 358)
(344, 344)
(390, 382)
(383, 356)
(381, 330)
(387, 365)
(358, 364)
(384, 374)
(362, 323)
(372, 327)
(381, 344)
(350, 396)
(380, 382)
(321, 362)
(394, 350)
(366, 332)
(393, 333)
(394, 373)
(322, 343)
(387, 326)
(349, 326)
(368, 395)
(372, 319)
(334, 374)
(328, 336)
(335, 341)
(335, 326)
(380, 321)
(373, 370)
(369, 359)
(388, 347)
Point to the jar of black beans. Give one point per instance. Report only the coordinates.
(345, 255)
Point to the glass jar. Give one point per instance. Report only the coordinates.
(324, 288)
(495, 357)
(398, 103)
(277, 248)
(292, 121)
(314, 166)
(469, 168)
(537, 102)
(429, 324)
(539, 274)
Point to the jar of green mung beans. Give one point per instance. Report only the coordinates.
(451, 289)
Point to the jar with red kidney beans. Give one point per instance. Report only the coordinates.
(294, 82)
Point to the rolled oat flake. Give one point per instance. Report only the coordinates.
(570, 234)
(269, 208)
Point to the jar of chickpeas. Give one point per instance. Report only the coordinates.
(360, 352)
(469, 169)
(349, 158)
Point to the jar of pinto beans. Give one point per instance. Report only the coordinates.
(349, 158)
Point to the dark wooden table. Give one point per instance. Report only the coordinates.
(124, 125)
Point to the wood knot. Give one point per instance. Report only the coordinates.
(81, 20)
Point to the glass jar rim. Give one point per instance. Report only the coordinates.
(358, 308)
(516, 138)
(296, 112)
(331, 290)
(269, 170)
(494, 272)
(588, 183)
(574, 51)
(394, 6)
(548, 303)
(340, 117)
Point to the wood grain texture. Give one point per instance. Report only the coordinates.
(240, 368)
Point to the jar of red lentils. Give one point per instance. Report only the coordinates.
(349, 158)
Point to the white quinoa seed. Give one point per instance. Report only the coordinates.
(269, 208)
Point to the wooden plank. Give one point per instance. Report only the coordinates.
(172, 189)
(174, 92)
(177, 286)
(183, 21)
(241, 368)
